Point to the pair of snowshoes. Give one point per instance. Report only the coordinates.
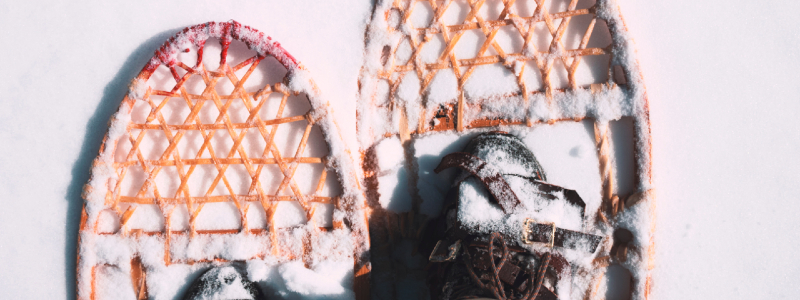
(219, 179)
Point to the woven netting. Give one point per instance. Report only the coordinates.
(456, 65)
(537, 47)
(223, 139)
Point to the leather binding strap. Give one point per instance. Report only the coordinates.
(492, 179)
(507, 199)
(548, 190)
(553, 236)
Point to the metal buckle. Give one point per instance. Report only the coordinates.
(526, 231)
(451, 255)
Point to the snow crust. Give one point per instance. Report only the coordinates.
(329, 280)
(111, 276)
(393, 190)
(390, 154)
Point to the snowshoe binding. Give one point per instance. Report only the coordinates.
(500, 235)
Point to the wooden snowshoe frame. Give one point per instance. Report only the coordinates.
(392, 27)
(103, 194)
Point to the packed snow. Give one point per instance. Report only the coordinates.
(722, 107)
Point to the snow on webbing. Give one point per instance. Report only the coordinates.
(331, 256)
(226, 31)
(292, 280)
(119, 250)
(393, 175)
(289, 280)
(114, 283)
(389, 153)
(225, 216)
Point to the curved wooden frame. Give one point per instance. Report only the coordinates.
(102, 193)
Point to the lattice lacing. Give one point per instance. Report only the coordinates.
(495, 285)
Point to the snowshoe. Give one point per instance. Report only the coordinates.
(224, 150)
(561, 76)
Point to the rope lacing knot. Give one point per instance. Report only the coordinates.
(495, 285)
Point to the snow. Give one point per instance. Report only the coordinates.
(393, 190)
(428, 151)
(165, 280)
(567, 154)
(389, 153)
(443, 88)
(490, 80)
(113, 276)
(324, 281)
(393, 187)
(173, 280)
(723, 109)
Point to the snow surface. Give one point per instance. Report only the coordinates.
(721, 78)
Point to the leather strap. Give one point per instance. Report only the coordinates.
(543, 233)
(507, 199)
(548, 190)
(494, 182)
(490, 178)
